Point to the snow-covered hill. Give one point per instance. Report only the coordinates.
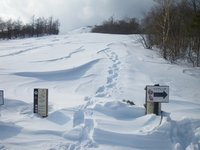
(86, 29)
(88, 76)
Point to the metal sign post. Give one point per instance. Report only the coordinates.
(155, 95)
(40, 104)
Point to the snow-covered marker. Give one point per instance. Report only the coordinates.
(155, 95)
(40, 105)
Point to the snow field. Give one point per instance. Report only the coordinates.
(88, 76)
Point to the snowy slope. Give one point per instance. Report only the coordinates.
(88, 76)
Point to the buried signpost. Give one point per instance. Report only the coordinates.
(155, 95)
(40, 105)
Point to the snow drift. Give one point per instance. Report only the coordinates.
(88, 76)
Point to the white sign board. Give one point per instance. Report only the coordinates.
(1, 97)
(41, 102)
(157, 94)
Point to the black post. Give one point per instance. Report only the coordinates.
(157, 105)
(35, 99)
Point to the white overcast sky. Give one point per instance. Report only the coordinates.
(74, 13)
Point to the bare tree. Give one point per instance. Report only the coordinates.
(38, 27)
(9, 26)
(174, 26)
(2, 28)
(163, 23)
(33, 25)
(194, 33)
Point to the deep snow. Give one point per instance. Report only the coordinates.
(88, 76)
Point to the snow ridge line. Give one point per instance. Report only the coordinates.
(21, 51)
(80, 49)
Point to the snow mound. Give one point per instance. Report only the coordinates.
(81, 30)
(61, 75)
(58, 117)
(120, 110)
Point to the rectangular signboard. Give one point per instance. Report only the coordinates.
(1, 97)
(157, 94)
(41, 102)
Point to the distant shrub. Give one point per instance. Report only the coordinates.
(127, 26)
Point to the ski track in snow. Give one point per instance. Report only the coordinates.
(99, 122)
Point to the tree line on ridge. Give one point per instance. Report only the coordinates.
(10, 29)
